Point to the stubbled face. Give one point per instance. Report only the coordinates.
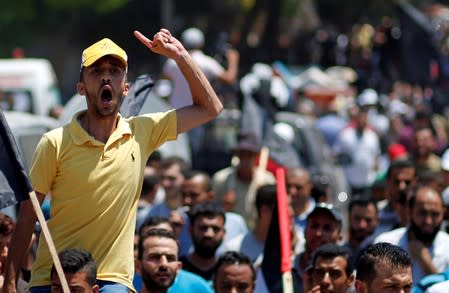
(321, 229)
(104, 85)
(298, 186)
(77, 283)
(329, 275)
(193, 191)
(171, 180)
(427, 214)
(234, 278)
(363, 221)
(207, 234)
(159, 264)
(388, 280)
(424, 142)
(398, 182)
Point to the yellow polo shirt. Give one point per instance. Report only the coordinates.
(94, 189)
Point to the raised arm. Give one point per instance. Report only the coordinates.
(206, 105)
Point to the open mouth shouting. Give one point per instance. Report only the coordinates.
(106, 95)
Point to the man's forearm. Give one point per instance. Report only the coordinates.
(202, 92)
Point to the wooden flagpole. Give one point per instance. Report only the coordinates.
(50, 243)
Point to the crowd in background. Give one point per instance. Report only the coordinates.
(389, 138)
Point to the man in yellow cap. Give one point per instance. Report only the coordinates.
(93, 166)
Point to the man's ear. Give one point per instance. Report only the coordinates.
(126, 90)
(360, 287)
(350, 280)
(95, 288)
(80, 88)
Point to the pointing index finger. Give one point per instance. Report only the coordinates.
(144, 40)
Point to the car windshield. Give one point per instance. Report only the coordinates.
(16, 100)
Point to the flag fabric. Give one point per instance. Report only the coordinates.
(14, 183)
(277, 261)
(133, 102)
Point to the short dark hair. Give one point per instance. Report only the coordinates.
(234, 257)
(149, 183)
(381, 253)
(330, 251)
(361, 202)
(189, 174)
(399, 164)
(7, 224)
(77, 260)
(266, 195)
(153, 221)
(175, 160)
(207, 208)
(156, 232)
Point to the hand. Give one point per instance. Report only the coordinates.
(163, 43)
(421, 255)
(418, 251)
(316, 289)
(232, 55)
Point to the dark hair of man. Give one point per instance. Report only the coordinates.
(175, 160)
(331, 251)
(266, 195)
(234, 258)
(155, 156)
(414, 192)
(429, 127)
(208, 209)
(361, 202)
(77, 261)
(381, 253)
(397, 165)
(158, 233)
(7, 225)
(189, 174)
(149, 182)
(152, 222)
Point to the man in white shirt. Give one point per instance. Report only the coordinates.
(422, 239)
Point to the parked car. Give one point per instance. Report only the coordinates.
(28, 85)
(28, 130)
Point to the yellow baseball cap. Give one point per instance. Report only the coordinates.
(100, 49)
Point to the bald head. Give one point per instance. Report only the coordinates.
(298, 184)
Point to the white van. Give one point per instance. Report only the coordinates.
(28, 85)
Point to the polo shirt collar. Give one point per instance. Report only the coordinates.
(80, 136)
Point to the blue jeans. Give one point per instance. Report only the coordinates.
(105, 287)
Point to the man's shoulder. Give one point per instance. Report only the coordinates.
(442, 238)
(223, 173)
(189, 282)
(393, 236)
(235, 243)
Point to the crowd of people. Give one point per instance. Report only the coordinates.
(194, 230)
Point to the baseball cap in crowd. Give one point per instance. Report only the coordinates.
(445, 161)
(192, 38)
(368, 97)
(326, 208)
(100, 49)
(397, 151)
(247, 141)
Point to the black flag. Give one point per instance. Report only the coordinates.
(14, 183)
